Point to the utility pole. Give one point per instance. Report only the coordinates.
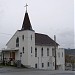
(3, 58)
(55, 51)
(38, 62)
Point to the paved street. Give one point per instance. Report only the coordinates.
(16, 71)
(36, 73)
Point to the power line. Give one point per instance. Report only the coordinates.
(14, 35)
(5, 33)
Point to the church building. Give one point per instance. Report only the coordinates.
(35, 50)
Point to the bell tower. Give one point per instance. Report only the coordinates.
(28, 44)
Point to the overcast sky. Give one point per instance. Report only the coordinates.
(51, 17)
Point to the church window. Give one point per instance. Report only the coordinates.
(53, 52)
(47, 51)
(35, 52)
(58, 54)
(62, 54)
(22, 37)
(48, 64)
(42, 65)
(35, 65)
(53, 63)
(31, 49)
(31, 37)
(17, 42)
(41, 51)
(23, 49)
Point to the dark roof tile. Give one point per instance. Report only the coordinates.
(26, 23)
(42, 39)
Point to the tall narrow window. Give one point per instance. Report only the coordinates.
(42, 65)
(17, 42)
(48, 64)
(53, 52)
(41, 51)
(53, 63)
(22, 37)
(35, 52)
(47, 51)
(58, 54)
(23, 49)
(31, 37)
(62, 54)
(31, 49)
(35, 65)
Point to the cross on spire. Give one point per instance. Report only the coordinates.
(26, 7)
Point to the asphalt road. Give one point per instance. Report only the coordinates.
(14, 71)
(38, 73)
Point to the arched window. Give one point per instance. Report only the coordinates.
(35, 52)
(31, 37)
(36, 65)
(47, 64)
(17, 42)
(41, 51)
(23, 49)
(47, 51)
(62, 54)
(23, 37)
(31, 49)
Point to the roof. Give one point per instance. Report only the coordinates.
(26, 23)
(42, 39)
(11, 49)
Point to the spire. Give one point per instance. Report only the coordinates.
(26, 22)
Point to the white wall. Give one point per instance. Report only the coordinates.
(60, 58)
(12, 42)
(45, 59)
(27, 43)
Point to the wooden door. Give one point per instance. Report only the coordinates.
(13, 55)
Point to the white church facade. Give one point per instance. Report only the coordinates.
(35, 50)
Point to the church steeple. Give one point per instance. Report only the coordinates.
(26, 22)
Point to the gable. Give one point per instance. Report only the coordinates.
(11, 38)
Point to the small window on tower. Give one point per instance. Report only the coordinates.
(22, 37)
(31, 37)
